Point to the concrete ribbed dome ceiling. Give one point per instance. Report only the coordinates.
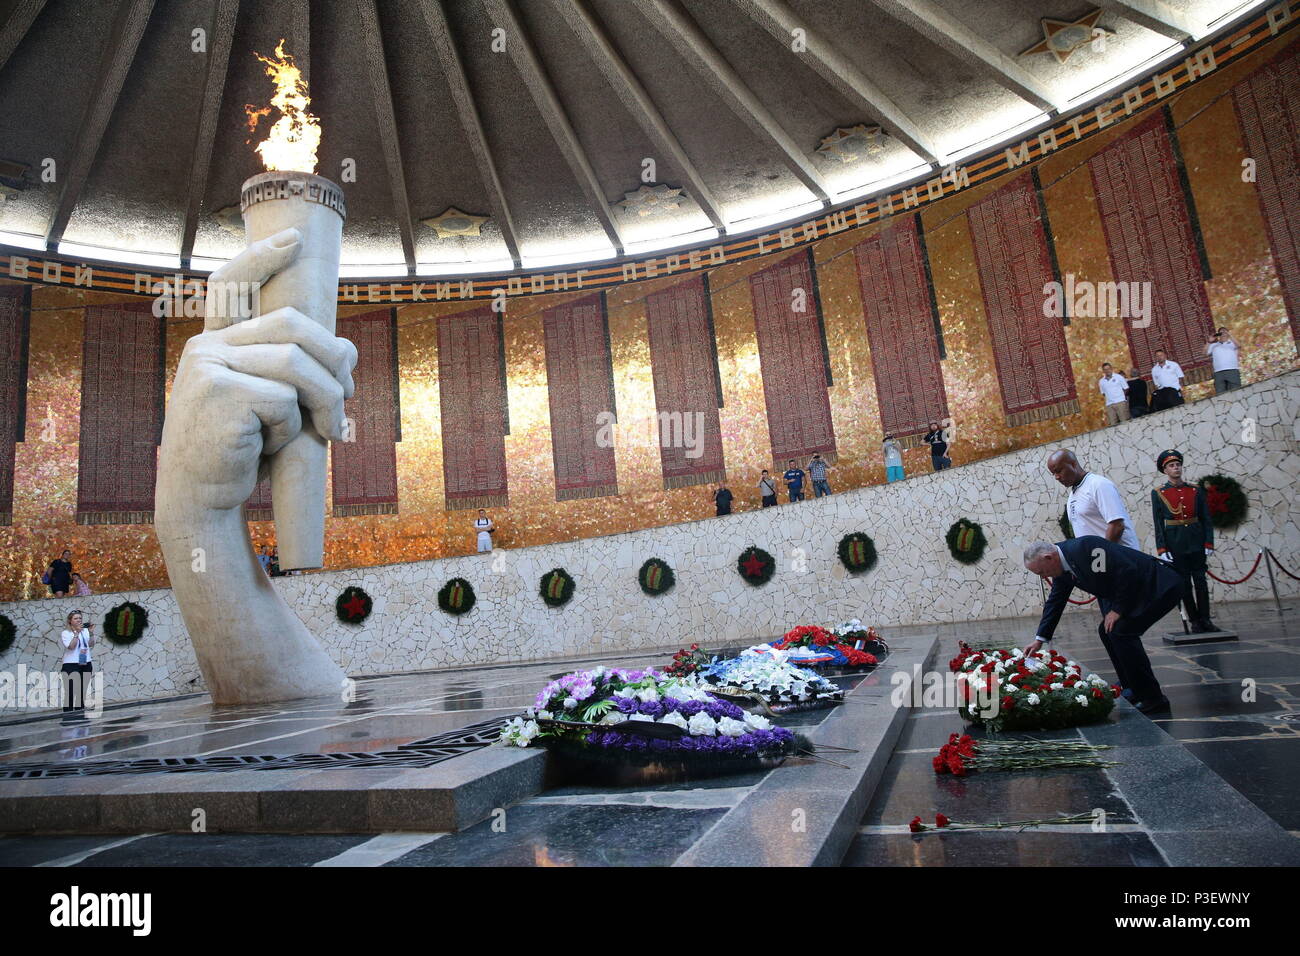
(495, 134)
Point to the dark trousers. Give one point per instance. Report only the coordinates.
(769, 501)
(1196, 591)
(74, 686)
(940, 463)
(1124, 644)
(796, 494)
(1166, 398)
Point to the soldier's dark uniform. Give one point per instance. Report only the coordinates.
(1183, 530)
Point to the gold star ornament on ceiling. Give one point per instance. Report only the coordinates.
(851, 143)
(453, 223)
(1063, 37)
(648, 200)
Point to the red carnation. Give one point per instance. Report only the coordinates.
(940, 766)
(940, 820)
(916, 826)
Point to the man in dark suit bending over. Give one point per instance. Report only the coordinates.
(1134, 591)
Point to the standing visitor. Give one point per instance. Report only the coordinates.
(1094, 505)
(79, 587)
(1167, 381)
(767, 490)
(793, 479)
(264, 559)
(893, 460)
(938, 442)
(1184, 537)
(59, 574)
(1135, 591)
(275, 561)
(1114, 393)
(722, 498)
(1137, 394)
(484, 526)
(817, 474)
(1225, 356)
(78, 639)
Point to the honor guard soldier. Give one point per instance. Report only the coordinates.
(1184, 536)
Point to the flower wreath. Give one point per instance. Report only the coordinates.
(456, 596)
(556, 587)
(966, 541)
(755, 565)
(857, 552)
(125, 623)
(655, 577)
(1067, 529)
(1225, 499)
(8, 631)
(354, 605)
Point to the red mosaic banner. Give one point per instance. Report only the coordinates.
(472, 394)
(15, 316)
(364, 468)
(1152, 246)
(122, 381)
(898, 308)
(1029, 348)
(1268, 109)
(792, 354)
(580, 387)
(683, 362)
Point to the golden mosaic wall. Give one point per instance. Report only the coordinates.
(1243, 294)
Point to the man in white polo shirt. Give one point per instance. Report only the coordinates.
(1223, 352)
(1095, 507)
(1167, 381)
(1114, 392)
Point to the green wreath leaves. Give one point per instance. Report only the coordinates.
(857, 552)
(1067, 529)
(457, 596)
(8, 632)
(556, 587)
(354, 605)
(755, 566)
(966, 541)
(655, 577)
(125, 623)
(1225, 499)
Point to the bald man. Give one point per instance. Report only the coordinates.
(1094, 505)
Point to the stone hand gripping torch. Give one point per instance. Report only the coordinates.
(271, 202)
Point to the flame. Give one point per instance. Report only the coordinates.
(295, 136)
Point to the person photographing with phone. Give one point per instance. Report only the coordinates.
(78, 639)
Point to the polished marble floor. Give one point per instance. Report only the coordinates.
(1232, 707)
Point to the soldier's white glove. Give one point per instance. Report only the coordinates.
(1167, 557)
(1209, 551)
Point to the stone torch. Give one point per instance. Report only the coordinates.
(271, 202)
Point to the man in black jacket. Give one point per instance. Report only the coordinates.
(1134, 591)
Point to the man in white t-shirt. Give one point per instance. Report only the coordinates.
(1225, 355)
(1167, 381)
(1094, 505)
(1114, 393)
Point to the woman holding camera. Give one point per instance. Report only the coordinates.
(78, 639)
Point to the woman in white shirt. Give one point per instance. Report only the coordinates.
(484, 526)
(78, 639)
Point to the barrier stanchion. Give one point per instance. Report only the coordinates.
(1272, 582)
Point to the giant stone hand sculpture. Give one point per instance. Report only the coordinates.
(234, 403)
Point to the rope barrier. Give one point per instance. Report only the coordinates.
(1253, 568)
(1089, 601)
(1278, 564)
